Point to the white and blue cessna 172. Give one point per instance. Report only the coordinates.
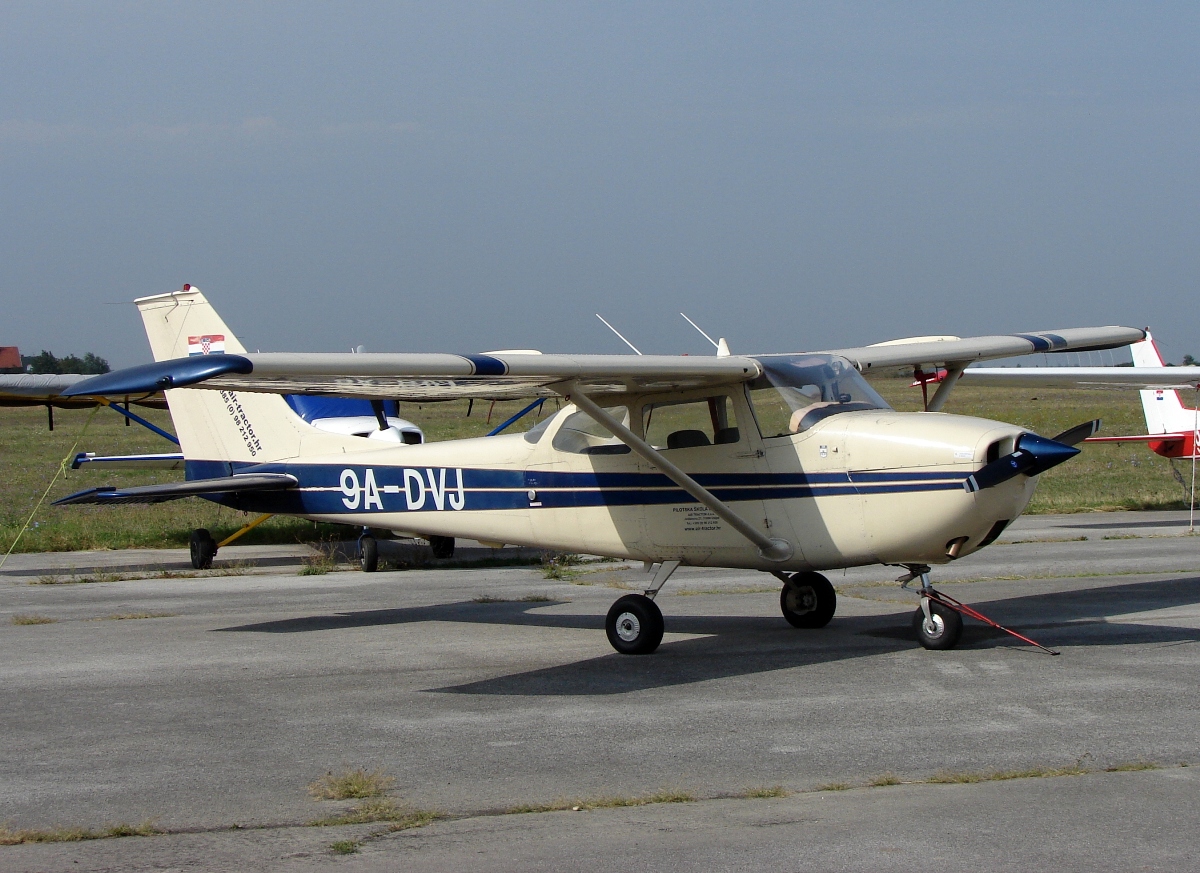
(788, 464)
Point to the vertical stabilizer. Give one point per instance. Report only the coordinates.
(222, 426)
(1165, 412)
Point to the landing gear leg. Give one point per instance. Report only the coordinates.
(203, 549)
(368, 552)
(807, 600)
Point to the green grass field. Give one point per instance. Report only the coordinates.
(1104, 477)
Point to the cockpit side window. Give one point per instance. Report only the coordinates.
(706, 421)
(797, 391)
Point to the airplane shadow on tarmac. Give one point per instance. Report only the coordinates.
(729, 646)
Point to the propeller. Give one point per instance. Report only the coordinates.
(1078, 433)
(1034, 454)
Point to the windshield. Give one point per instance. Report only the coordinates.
(796, 391)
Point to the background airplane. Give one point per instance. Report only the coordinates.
(1171, 426)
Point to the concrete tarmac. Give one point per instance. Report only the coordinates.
(484, 689)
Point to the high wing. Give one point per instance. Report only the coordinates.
(426, 377)
(1151, 378)
(952, 351)
(417, 377)
(26, 389)
(177, 490)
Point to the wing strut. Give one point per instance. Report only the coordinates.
(953, 372)
(768, 547)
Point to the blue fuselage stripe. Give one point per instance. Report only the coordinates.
(326, 489)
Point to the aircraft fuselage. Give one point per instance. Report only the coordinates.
(859, 487)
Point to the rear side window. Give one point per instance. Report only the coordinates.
(690, 424)
(580, 434)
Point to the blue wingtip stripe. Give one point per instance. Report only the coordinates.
(485, 365)
(1039, 344)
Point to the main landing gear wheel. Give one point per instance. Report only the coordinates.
(634, 625)
(203, 549)
(942, 630)
(368, 554)
(808, 600)
(443, 547)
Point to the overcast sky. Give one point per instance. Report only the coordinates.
(462, 177)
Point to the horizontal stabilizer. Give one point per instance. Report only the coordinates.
(1140, 438)
(177, 490)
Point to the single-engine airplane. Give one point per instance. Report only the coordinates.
(789, 463)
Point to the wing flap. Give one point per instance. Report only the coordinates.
(106, 494)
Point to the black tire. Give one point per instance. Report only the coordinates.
(946, 629)
(808, 600)
(203, 548)
(634, 625)
(368, 554)
(443, 547)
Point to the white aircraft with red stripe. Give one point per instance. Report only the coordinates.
(1171, 425)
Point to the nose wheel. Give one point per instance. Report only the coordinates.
(938, 622)
(634, 625)
(938, 627)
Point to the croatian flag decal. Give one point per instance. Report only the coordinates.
(211, 344)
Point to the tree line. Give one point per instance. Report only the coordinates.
(48, 363)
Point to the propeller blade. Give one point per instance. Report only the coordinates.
(1034, 454)
(1078, 433)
